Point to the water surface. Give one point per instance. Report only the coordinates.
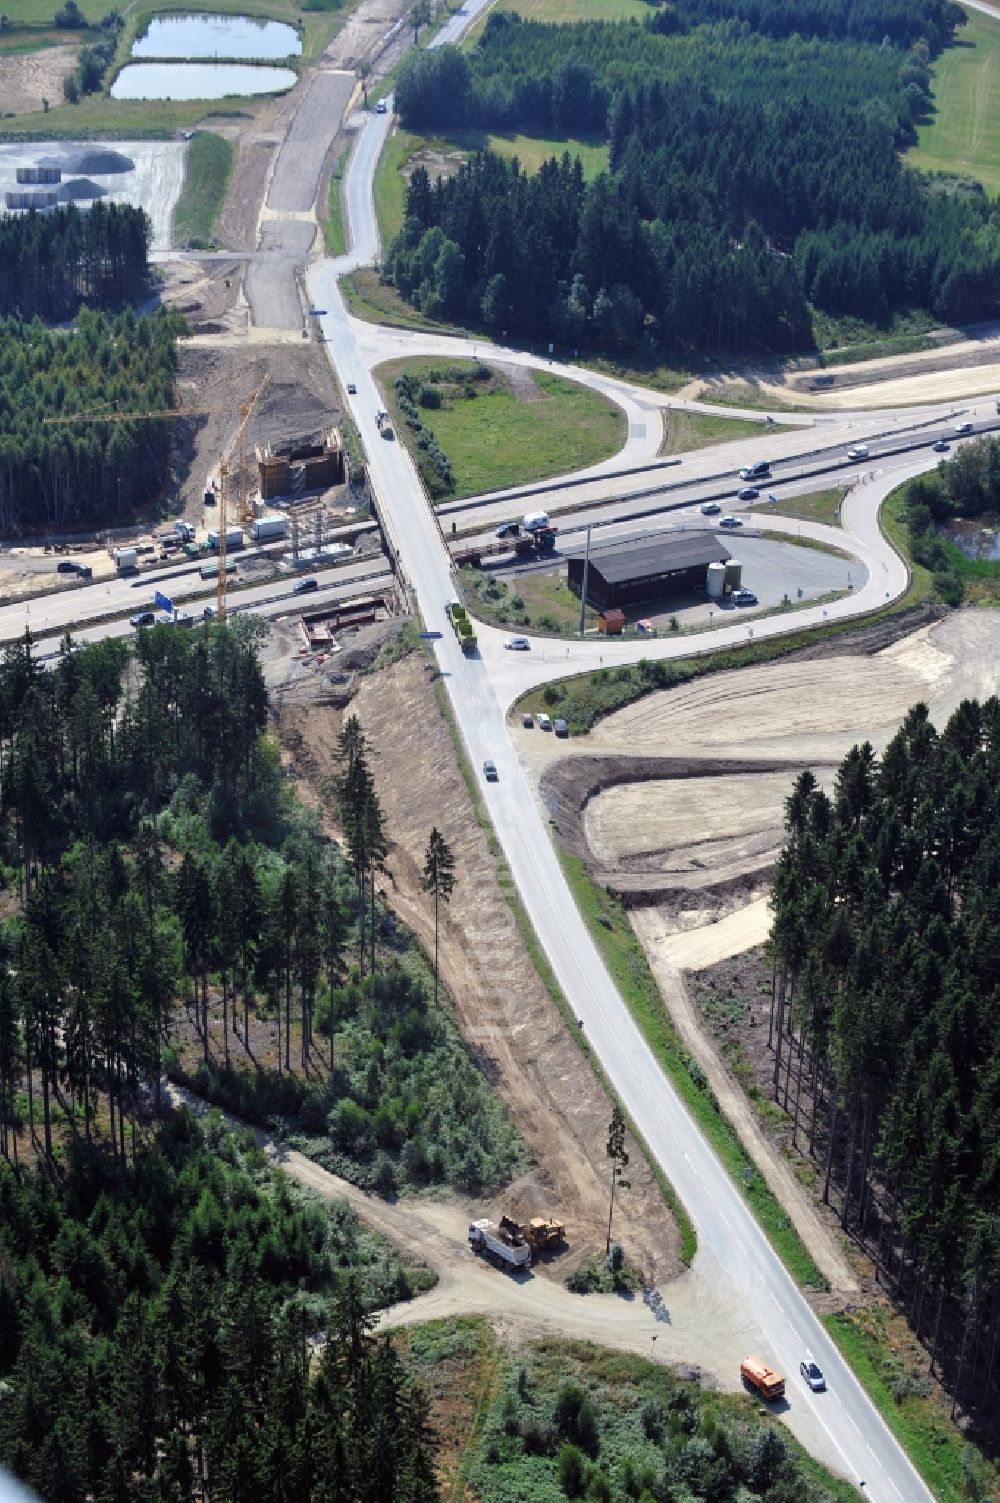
(218, 37)
(198, 80)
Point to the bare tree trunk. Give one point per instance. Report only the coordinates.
(829, 1147)
(849, 1167)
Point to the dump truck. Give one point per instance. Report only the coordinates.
(502, 1248)
(540, 1233)
(763, 1379)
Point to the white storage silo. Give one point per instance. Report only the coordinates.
(716, 581)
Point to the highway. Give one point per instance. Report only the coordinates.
(841, 1425)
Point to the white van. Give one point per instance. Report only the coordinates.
(860, 451)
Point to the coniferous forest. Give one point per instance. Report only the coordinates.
(754, 174)
(163, 895)
(886, 1020)
(71, 476)
(52, 263)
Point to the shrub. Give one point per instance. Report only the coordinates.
(572, 1471)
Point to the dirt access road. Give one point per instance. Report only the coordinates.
(506, 1015)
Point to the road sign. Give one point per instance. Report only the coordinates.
(317, 313)
(430, 636)
(163, 603)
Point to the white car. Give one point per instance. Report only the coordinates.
(965, 427)
(730, 521)
(381, 108)
(710, 508)
(744, 597)
(543, 722)
(517, 644)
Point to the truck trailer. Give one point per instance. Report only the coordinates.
(126, 560)
(234, 538)
(505, 1249)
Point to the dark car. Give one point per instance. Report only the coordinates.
(143, 618)
(941, 447)
(65, 566)
(490, 771)
(813, 1376)
(560, 727)
(748, 493)
(508, 530)
(352, 389)
(303, 586)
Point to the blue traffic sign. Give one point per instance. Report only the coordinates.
(430, 636)
(317, 313)
(163, 603)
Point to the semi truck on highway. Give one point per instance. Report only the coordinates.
(763, 1379)
(488, 1240)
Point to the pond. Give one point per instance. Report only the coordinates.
(229, 37)
(198, 80)
(979, 539)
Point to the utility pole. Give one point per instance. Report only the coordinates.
(583, 586)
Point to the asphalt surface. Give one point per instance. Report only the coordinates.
(303, 151)
(840, 1425)
(271, 283)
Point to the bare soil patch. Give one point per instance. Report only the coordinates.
(28, 78)
(504, 1010)
(299, 403)
(241, 210)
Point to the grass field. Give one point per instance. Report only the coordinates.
(964, 135)
(334, 234)
(367, 297)
(814, 506)
(555, 11)
(505, 437)
(541, 602)
(699, 430)
(207, 169)
(531, 152)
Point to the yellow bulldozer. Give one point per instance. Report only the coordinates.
(542, 1234)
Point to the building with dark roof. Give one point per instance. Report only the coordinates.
(672, 563)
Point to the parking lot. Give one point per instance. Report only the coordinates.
(775, 571)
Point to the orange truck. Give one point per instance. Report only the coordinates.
(769, 1384)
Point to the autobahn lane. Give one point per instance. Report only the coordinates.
(841, 1426)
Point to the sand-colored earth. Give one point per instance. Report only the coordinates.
(29, 78)
(660, 826)
(506, 1014)
(814, 710)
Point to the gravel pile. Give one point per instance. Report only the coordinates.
(78, 189)
(98, 160)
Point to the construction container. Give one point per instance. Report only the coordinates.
(716, 581)
(234, 538)
(39, 174)
(210, 569)
(734, 574)
(126, 560)
(31, 198)
(262, 529)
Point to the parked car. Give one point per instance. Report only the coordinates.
(517, 644)
(302, 586)
(560, 727)
(710, 508)
(508, 530)
(528, 721)
(744, 597)
(543, 722)
(748, 493)
(490, 771)
(965, 427)
(941, 447)
(812, 1375)
(142, 618)
(352, 389)
(730, 521)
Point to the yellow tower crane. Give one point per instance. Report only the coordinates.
(243, 492)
